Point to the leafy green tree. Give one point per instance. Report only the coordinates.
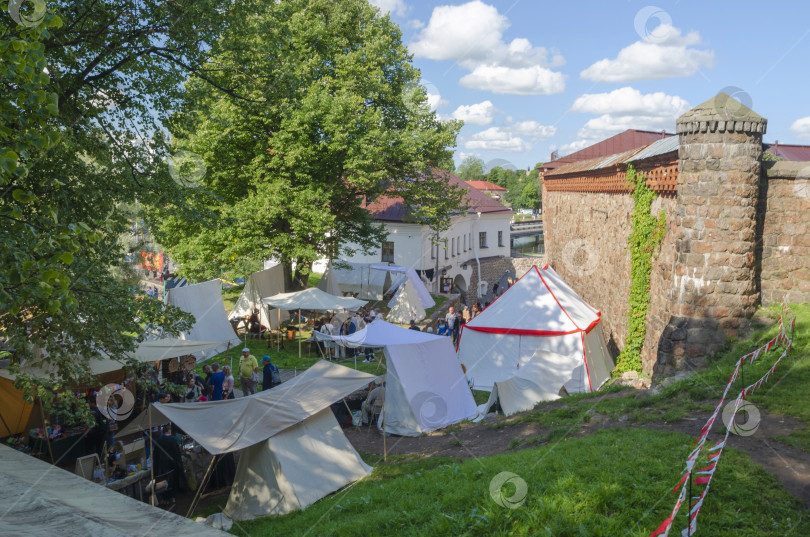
(84, 92)
(471, 169)
(330, 115)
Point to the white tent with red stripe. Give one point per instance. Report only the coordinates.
(539, 315)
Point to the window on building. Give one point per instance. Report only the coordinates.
(482, 239)
(500, 238)
(433, 249)
(470, 241)
(388, 252)
(465, 243)
(446, 250)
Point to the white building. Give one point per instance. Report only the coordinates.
(473, 240)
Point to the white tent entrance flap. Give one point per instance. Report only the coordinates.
(261, 284)
(425, 386)
(539, 317)
(294, 469)
(204, 301)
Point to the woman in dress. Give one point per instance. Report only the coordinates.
(227, 384)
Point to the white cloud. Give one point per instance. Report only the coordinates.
(629, 101)
(435, 100)
(515, 137)
(622, 109)
(472, 35)
(396, 7)
(476, 114)
(665, 53)
(801, 128)
(534, 80)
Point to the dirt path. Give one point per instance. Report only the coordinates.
(790, 465)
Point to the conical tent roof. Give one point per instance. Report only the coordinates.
(407, 305)
(538, 304)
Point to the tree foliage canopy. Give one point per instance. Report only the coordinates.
(329, 114)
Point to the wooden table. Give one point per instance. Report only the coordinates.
(129, 481)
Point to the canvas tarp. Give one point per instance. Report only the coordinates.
(231, 425)
(540, 379)
(39, 499)
(402, 275)
(329, 283)
(406, 305)
(204, 301)
(539, 312)
(261, 284)
(361, 280)
(425, 386)
(147, 351)
(13, 409)
(294, 469)
(312, 299)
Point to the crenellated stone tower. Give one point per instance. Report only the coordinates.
(713, 291)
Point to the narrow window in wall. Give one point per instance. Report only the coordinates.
(388, 252)
(453, 247)
(482, 239)
(433, 249)
(446, 250)
(500, 238)
(465, 243)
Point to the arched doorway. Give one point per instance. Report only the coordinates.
(461, 285)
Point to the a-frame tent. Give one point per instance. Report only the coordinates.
(260, 284)
(329, 283)
(540, 313)
(425, 386)
(204, 301)
(406, 305)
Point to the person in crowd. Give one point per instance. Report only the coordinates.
(413, 326)
(164, 397)
(465, 313)
(168, 457)
(194, 391)
(457, 327)
(442, 328)
(328, 346)
(450, 318)
(335, 330)
(495, 289)
(205, 383)
(248, 372)
(429, 330)
(254, 326)
(374, 403)
(270, 375)
(227, 384)
(217, 380)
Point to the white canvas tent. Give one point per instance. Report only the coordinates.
(402, 275)
(260, 284)
(40, 499)
(539, 313)
(362, 280)
(294, 451)
(329, 283)
(406, 305)
(204, 301)
(530, 385)
(425, 386)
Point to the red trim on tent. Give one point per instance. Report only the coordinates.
(555, 299)
(519, 331)
(593, 324)
(585, 359)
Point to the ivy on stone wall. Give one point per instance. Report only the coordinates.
(644, 241)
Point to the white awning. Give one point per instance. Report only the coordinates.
(313, 299)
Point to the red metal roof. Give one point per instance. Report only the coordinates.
(486, 185)
(790, 152)
(393, 209)
(624, 141)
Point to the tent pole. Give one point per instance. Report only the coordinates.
(45, 430)
(201, 487)
(385, 450)
(278, 333)
(151, 454)
(299, 333)
(349, 410)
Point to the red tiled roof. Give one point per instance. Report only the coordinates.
(624, 141)
(486, 185)
(393, 209)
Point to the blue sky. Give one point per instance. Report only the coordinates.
(531, 76)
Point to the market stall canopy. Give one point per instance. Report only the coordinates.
(41, 499)
(425, 386)
(147, 351)
(231, 425)
(313, 299)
